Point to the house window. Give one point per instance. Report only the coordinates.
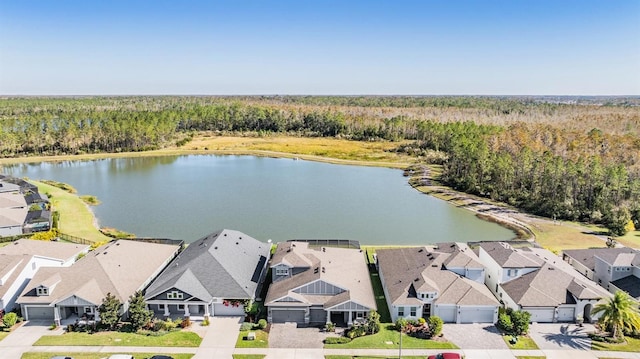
(422, 296)
(413, 311)
(88, 310)
(174, 295)
(160, 306)
(496, 288)
(180, 306)
(42, 291)
(282, 271)
(401, 311)
(359, 314)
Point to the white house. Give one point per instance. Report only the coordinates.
(20, 260)
(422, 282)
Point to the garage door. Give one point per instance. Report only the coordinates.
(476, 315)
(39, 313)
(284, 316)
(566, 314)
(541, 315)
(221, 309)
(448, 314)
(317, 315)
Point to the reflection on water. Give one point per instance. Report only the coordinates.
(186, 197)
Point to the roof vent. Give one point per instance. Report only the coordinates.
(434, 265)
(324, 249)
(315, 270)
(215, 247)
(417, 279)
(236, 242)
(420, 250)
(322, 269)
(117, 243)
(225, 234)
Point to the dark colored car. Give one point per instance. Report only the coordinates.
(445, 356)
(61, 357)
(161, 357)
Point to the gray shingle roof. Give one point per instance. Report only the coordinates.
(406, 270)
(508, 257)
(222, 265)
(547, 287)
(614, 256)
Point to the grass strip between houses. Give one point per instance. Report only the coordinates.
(389, 338)
(173, 339)
(3, 334)
(47, 355)
(523, 343)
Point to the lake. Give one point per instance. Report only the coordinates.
(187, 197)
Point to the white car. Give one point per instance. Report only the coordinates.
(121, 356)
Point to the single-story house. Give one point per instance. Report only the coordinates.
(317, 285)
(13, 211)
(613, 268)
(120, 267)
(21, 259)
(214, 276)
(421, 282)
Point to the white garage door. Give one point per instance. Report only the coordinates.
(40, 313)
(221, 309)
(447, 314)
(541, 315)
(476, 315)
(566, 314)
(284, 316)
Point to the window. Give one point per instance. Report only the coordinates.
(180, 306)
(160, 306)
(174, 295)
(359, 314)
(88, 310)
(496, 288)
(282, 271)
(413, 311)
(422, 296)
(401, 311)
(42, 291)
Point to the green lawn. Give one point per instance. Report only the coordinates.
(173, 339)
(39, 355)
(75, 217)
(381, 302)
(632, 345)
(386, 334)
(248, 356)
(631, 239)
(3, 334)
(524, 343)
(261, 341)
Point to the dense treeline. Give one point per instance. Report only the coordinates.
(572, 161)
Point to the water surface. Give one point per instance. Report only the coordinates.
(187, 197)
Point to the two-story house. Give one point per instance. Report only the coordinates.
(447, 281)
(613, 268)
(316, 285)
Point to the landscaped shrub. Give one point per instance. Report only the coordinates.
(337, 340)
(205, 322)
(504, 323)
(435, 325)
(262, 323)
(246, 326)
(372, 325)
(520, 320)
(330, 327)
(10, 319)
(356, 331)
(421, 331)
(400, 323)
(186, 323)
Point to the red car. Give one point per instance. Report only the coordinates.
(445, 356)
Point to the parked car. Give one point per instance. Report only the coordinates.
(61, 357)
(445, 356)
(121, 356)
(161, 357)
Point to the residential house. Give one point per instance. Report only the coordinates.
(446, 281)
(17, 199)
(120, 267)
(613, 268)
(316, 285)
(20, 260)
(214, 276)
(537, 281)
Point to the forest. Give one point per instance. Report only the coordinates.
(564, 158)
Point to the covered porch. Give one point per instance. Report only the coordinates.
(346, 314)
(174, 310)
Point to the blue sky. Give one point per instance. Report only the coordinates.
(320, 47)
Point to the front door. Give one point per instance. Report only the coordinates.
(426, 311)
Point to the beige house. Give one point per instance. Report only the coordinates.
(317, 285)
(20, 260)
(120, 267)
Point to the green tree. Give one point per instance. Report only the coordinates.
(520, 320)
(139, 315)
(619, 313)
(110, 311)
(10, 319)
(373, 322)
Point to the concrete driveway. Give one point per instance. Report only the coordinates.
(288, 335)
(21, 338)
(219, 338)
(474, 336)
(556, 336)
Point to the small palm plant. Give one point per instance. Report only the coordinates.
(620, 312)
